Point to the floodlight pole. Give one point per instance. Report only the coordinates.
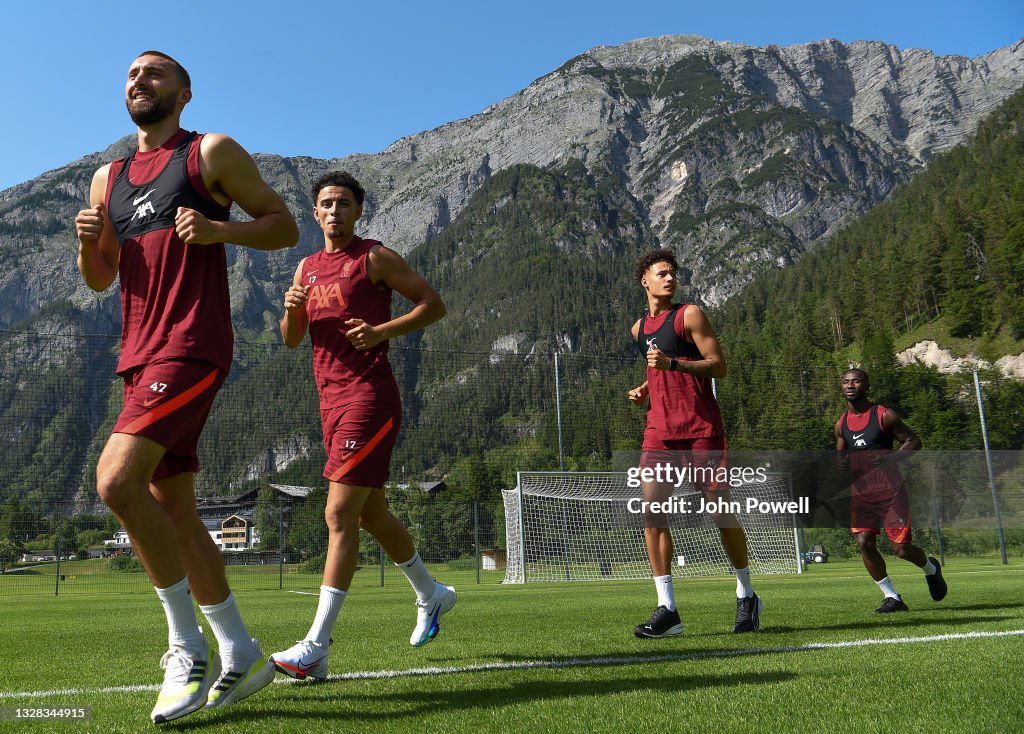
(558, 412)
(991, 473)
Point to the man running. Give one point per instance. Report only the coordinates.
(158, 219)
(683, 421)
(342, 295)
(878, 498)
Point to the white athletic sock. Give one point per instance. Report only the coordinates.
(182, 629)
(327, 610)
(666, 595)
(419, 577)
(743, 587)
(886, 586)
(930, 568)
(237, 649)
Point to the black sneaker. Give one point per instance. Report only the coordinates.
(892, 604)
(664, 622)
(936, 584)
(748, 614)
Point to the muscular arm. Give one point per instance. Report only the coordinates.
(638, 394)
(699, 328)
(894, 425)
(98, 251)
(840, 441)
(231, 175)
(295, 320)
(387, 266)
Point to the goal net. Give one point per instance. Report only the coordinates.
(576, 526)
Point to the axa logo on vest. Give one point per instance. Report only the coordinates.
(321, 295)
(143, 208)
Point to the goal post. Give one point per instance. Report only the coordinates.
(578, 526)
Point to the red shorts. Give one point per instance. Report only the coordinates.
(359, 438)
(882, 507)
(708, 452)
(168, 401)
(896, 535)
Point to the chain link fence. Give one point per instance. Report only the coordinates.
(470, 422)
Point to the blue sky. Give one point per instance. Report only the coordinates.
(329, 79)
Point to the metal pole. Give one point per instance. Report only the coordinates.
(991, 472)
(937, 507)
(522, 524)
(56, 546)
(558, 411)
(381, 565)
(476, 536)
(280, 547)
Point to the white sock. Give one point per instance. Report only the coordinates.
(419, 577)
(182, 629)
(327, 610)
(237, 649)
(886, 586)
(666, 596)
(930, 568)
(743, 587)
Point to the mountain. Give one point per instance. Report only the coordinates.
(528, 217)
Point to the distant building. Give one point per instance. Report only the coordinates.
(229, 520)
(431, 488)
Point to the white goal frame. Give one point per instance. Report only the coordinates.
(575, 526)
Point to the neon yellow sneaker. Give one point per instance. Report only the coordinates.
(187, 684)
(234, 685)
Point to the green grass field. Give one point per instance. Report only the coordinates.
(924, 673)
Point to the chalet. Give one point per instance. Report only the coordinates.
(230, 521)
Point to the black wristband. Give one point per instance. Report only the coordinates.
(672, 365)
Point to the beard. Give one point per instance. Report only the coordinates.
(150, 111)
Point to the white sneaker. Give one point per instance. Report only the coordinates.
(234, 685)
(428, 612)
(304, 659)
(187, 683)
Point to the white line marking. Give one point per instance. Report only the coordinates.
(570, 663)
(307, 593)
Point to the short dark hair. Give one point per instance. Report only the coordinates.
(183, 75)
(858, 369)
(338, 178)
(654, 256)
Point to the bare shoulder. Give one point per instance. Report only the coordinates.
(217, 148)
(98, 187)
(694, 314)
(634, 330)
(384, 259)
(298, 272)
(101, 175)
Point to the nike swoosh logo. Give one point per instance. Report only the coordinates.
(857, 435)
(138, 200)
(151, 401)
(307, 666)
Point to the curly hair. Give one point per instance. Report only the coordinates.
(339, 178)
(654, 256)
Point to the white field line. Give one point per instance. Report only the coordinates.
(307, 593)
(567, 663)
